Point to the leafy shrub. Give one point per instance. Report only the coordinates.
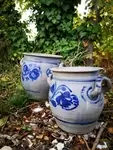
(14, 38)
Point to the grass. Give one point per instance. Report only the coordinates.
(12, 95)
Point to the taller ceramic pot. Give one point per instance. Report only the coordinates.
(76, 97)
(35, 67)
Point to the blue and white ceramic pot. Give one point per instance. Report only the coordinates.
(35, 67)
(76, 97)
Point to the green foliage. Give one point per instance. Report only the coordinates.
(12, 31)
(18, 99)
(27, 128)
(54, 23)
(25, 4)
(104, 47)
(4, 49)
(12, 95)
(110, 95)
(75, 57)
(106, 43)
(88, 31)
(86, 28)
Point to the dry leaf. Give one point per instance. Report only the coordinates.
(39, 136)
(110, 130)
(46, 138)
(36, 110)
(47, 104)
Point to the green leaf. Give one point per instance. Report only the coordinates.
(54, 21)
(58, 17)
(41, 41)
(26, 128)
(47, 25)
(65, 7)
(90, 28)
(3, 121)
(51, 35)
(47, 2)
(42, 34)
(83, 34)
(15, 54)
(80, 28)
(48, 13)
(29, 129)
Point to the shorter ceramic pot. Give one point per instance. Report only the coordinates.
(35, 68)
(76, 97)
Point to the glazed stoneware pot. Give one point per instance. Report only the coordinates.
(35, 67)
(76, 97)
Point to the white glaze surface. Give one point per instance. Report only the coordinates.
(70, 98)
(77, 69)
(34, 72)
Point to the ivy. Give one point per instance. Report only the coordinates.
(87, 30)
(13, 31)
(54, 23)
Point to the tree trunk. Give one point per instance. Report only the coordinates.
(89, 60)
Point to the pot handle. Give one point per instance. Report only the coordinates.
(99, 88)
(61, 64)
(50, 76)
(49, 79)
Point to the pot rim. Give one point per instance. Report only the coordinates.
(43, 55)
(77, 69)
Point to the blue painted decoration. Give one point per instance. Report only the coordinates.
(85, 92)
(70, 80)
(31, 72)
(77, 123)
(48, 72)
(63, 96)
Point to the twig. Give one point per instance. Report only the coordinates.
(86, 143)
(99, 135)
(107, 111)
(21, 109)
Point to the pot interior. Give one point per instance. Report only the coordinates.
(77, 69)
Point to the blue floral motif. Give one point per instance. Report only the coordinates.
(25, 70)
(31, 72)
(48, 72)
(34, 74)
(27, 78)
(63, 96)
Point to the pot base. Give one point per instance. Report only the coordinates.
(36, 96)
(76, 129)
